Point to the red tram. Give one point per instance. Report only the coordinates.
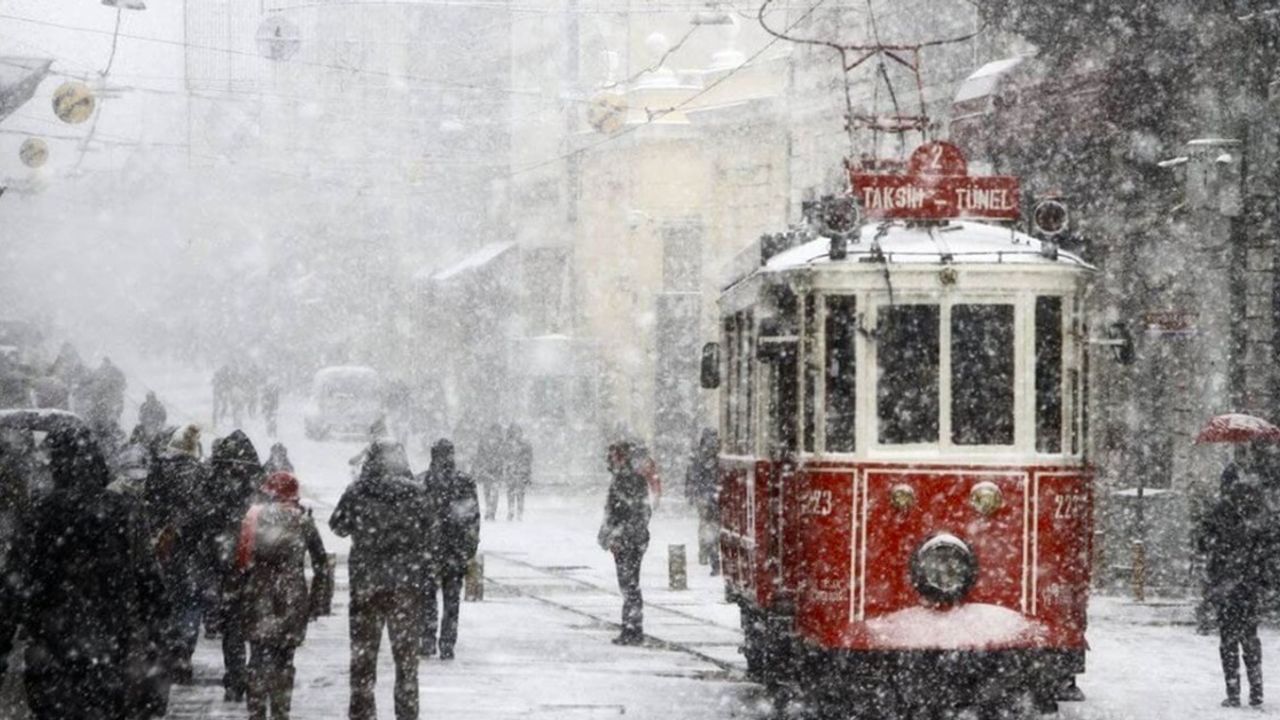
(905, 498)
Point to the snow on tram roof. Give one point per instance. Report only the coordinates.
(957, 243)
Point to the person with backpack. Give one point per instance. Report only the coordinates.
(275, 535)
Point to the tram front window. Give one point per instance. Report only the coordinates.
(982, 374)
(907, 389)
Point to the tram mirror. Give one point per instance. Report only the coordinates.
(710, 378)
(1122, 343)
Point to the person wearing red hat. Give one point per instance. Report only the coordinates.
(275, 535)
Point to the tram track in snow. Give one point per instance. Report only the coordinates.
(538, 592)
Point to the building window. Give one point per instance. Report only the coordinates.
(842, 372)
(1048, 374)
(982, 374)
(908, 360)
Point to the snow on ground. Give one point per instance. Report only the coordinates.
(538, 645)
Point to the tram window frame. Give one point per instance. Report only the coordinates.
(891, 332)
(731, 399)
(971, 386)
(811, 369)
(745, 441)
(1050, 373)
(840, 391)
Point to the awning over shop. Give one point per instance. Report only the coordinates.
(19, 77)
(480, 259)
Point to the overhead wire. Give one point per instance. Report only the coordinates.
(655, 115)
(325, 66)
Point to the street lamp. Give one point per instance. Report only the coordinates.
(126, 4)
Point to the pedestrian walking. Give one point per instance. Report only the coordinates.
(702, 490)
(152, 415)
(278, 460)
(1233, 539)
(234, 477)
(274, 537)
(453, 494)
(175, 519)
(391, 522)
(487, 465)
(78, 579)
(517, 470)
(625, 533)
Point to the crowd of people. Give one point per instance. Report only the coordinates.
(243, 389)
(503, 460)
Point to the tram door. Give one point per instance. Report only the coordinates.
(779, 355)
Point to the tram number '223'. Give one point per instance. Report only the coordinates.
(1069, 507)
(816, 502)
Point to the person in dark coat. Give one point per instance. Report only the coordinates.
(176, 520)
(77, 580)
(275, 535)
(625, 533)
(1232, 538)
(235, 475)
(517, 470)
(453, 494)
(152, 415)
(391, 522)
(107, 397)
(702, 490)
(487, 466)
(278, 460)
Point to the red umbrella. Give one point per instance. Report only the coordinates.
(1238, 428)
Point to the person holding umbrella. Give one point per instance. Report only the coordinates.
(1236, 543)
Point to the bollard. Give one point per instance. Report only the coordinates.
(679, 577)
(473, 583)
(1139, 571)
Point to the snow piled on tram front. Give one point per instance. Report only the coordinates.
(957, 243)
(970, 626)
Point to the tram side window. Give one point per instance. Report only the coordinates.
(810, 371)
(841, 388)
(982, 374)
(1049, 374)
(746, 394)
(731, 399)
(908, 359)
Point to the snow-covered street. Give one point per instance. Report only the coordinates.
(538, 645)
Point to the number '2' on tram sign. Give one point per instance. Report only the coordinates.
(937, 186)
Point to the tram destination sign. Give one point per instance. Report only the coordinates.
(936, 186)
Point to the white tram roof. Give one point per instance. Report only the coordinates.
(957, 243)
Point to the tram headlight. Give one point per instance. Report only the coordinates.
(986, 498)
(902, 497)
(943, 569)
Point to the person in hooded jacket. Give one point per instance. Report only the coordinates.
(80, 565)
(1232, 536)
(152, 415)
(278, 460)
(176, 520)
(274, 537)
(453, 494)
(625, 533)
(235, 474)
(391, 522)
